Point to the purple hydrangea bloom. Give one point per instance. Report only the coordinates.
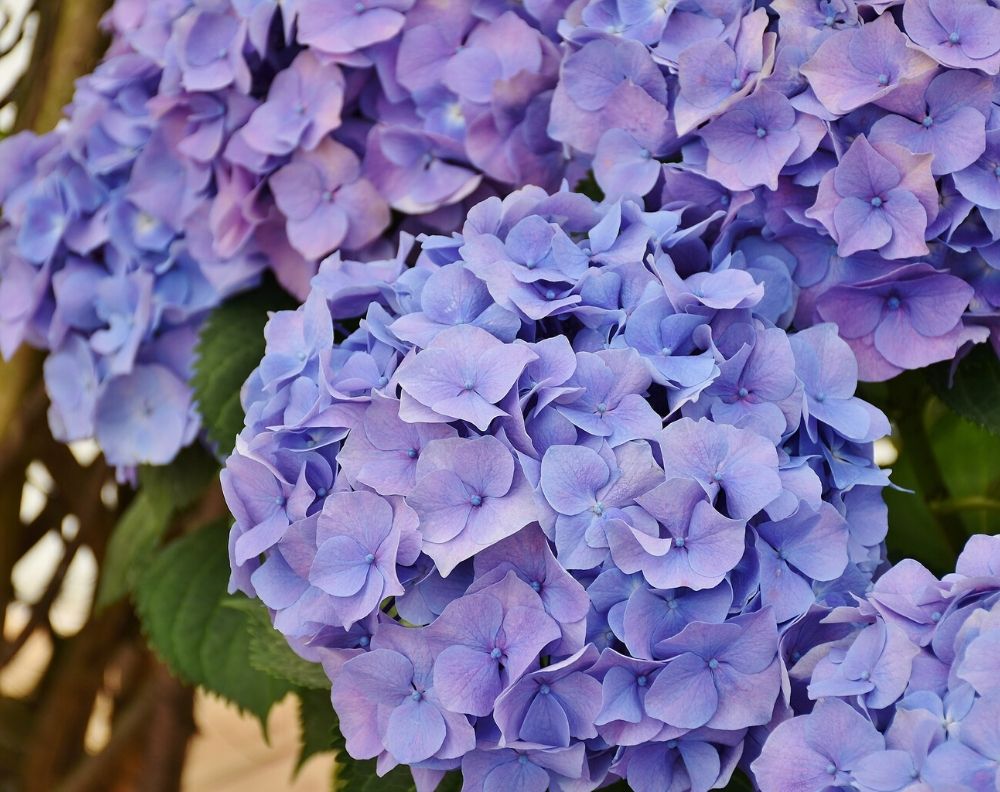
(880, 197)
(545, 512)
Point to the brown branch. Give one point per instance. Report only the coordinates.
(39, 618)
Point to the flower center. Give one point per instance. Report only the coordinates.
(831, 768)
(469, 385)
(598, 508)
(364, 640)
(680, 541)
(476, 500)
(383, 381)
(496, 654)
(416, 695)
(883, 79)
(936, 616)
(761, 132)
(743, 393)
(641, 680)
(550, 295)
(544, 690)
(717, 475)
(370, 558)
(736, 83)
(666, 351)
(928, 121)
(601, 408)
(713, 663)
(522, 760)
(865, 675)
(411, 453)
(892, 303)
(954, 37)
(876, 202)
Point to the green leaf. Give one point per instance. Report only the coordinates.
(230, 346)
(270, 652)
(181, 600)
(355, 776)
(974, 392)
(174, 487)
(130, 548)
(318, 721)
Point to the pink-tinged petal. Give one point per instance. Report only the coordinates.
(320, 233)
(860, 226)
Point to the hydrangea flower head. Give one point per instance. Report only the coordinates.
(554, 479)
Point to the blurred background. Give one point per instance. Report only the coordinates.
(83, 704)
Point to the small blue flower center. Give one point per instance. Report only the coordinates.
(300, 108)
(713, 663)
(302, 356)
(666, 351)
(876, 202)
(996, 171)
(736, 83)
(359, 7)
(641, 680)
(370, 558)
(865, 675)
(724, 200)
(279, 501)
(820, 398)
(469, 385)
(411, 453)
(601, 408)
(954, 37)
(914, 773)
(672, 603)
(928, 121)
(717, 476)
(796, 655)
(550, 295)
(416, 695)
(936, 616)
(831, 768)
(536, 585)
(327, 195)
(680, 541)
(743, 393)
(761, 132)
(644, 154)
(522, 760)
(364, 640)
(496, 654)
(781, 554)
(892, 303)
(545, 690)
(476, 500)
(382, 381)
(321, 492)
(883, 79)
(598, 508)
(829, 20)
(671, 744)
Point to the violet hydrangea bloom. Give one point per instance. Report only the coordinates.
(880, 197)
(562, 535)
(900, 702)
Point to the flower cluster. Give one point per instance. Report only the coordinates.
(902, 687)
(852, 142)
(544, 512)
(220, 137)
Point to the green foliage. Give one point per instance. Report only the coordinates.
(174, 487)
(230, 346)
(181, 600)
(318, 722)
(270, 652)
(166, 491)
(974, 393)
(130, 548)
